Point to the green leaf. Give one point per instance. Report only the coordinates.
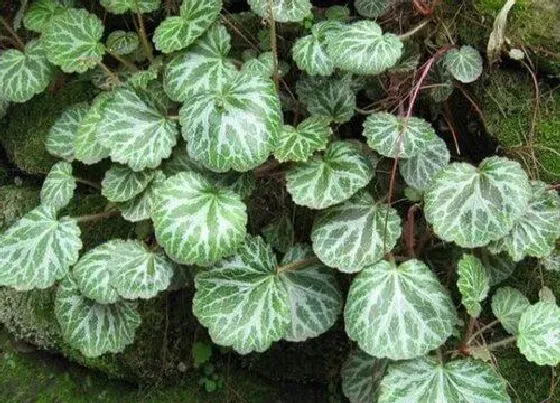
(136, 129)
(465, 64)
(279, 233)
(508, 304)
(94, 329)
(38, 249)
(282, 10)
(330, 97)
(143, 78)
(535, 233)
(39, 14)
(331, 178)
(122, 6)
(178, 32)
(71, 40)
(263, 65)
(398, 312)
(201, 353)
(59, 186)
(427, 380)
(361, 374)
(62, 135)
(499, 267)
(372, 8)
(202, 68)
(140, 207)
(24, 74)
(234, 126)
(473, 283)
(547, 295)
(298, 144)
(420, 169)
(4, 105)
(122, 183)
(538, 336)
(355, 234)
(552, 261)
(473, 206)
(362, 48)
(310, 52)
(87, 147)
(122, 42)
(196, 221)
(394, 136)
(314, 297)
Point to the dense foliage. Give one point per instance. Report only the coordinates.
(192, 125)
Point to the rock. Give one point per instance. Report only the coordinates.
(15, 201)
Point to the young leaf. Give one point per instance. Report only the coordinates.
(279, 233)
(282, 10)
(498, 267)
(552, 261)
(535, 233)
(362, 48)
(361, 374)
(473, 283)
(263, 65)
(121, 183)
(202, 68)
(355, 234)
(178, 32)
(394, 136)
(330, 97)
(122, 6)
(93, 328)
(234, 126)
(420, 169)
(372, 8)
(310, 52)
(330, 178)
(298, 144)
(39, 14)
(87, 147)
(71, 40)
(196, 221)
(122, 42)
(24, 74)
(38, 249)
(538, 335)
(136, 129)
(140, 207)
(398, 312)
(427, 380)
(465, 64)
(143, 78)
(471, 206)
(59, 186)
(62, 135)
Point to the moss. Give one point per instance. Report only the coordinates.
(27, 126)
(15, 201)
(508, 102)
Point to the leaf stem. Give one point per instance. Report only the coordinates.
(410, 225)
(97, 216)
(89, 183)
(503, 342)
(298, 264)
(143, 36)
(17, 39)
(131, 66)
(414, 30)
(482, 330)
(273, 44)
(109, 72)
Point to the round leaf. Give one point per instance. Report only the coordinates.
(62, 135)
(279, 233)
(372, 8)
(552, 261)
(39, 14)
(508, 304)
(122, 6)
(310, 52)
(298, 144)
(465, 64)
(140, 207)
(419, 170)
(361, 374)
(87, 147)
(121, 183)
(282, 10)
(398, 312)
(59, 186)
(473, 283)
(122, 42)
(538, 336)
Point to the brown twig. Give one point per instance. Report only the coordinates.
(17, 39)
(298, 264)
(97, 216)
(143, 36)
(410, 230)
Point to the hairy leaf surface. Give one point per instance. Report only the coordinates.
(473, 283)
(508, 304)
(361, 374)
(62, 135)
(298, 144)
(282, 10)
(122, 183)
(538, 335)
(59, 186)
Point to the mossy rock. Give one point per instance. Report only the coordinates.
(26, 126)
(15, 201)
(507, 99)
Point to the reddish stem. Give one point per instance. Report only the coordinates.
(410, 230)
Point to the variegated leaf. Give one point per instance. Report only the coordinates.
(330, 178)
(372, 8)
(419, 170)
(92, 328)
(38, 249)
(59, 186)
(465, 64)
(310, 52)
(473, 206)
(398, 312)
(62, 135)
(538, 335)
(197, 222)
(122, 6)
(178, 32)
(362, 48)
(140, 207)
(508, 304)
(122, 183)
(263, 65)
(298, 144)
(201, 68)
(24, 74)
(87, 147)
(535, 233)
(39, 14)
(122, 42)
(279, 233)
(427, 380)
(234, 126)
(499, 267)
(473, 283)
(71, 40)
(552, 261)
(355, 234)
(282, 10)
(361, 374)
(136, 129)
(394, 136)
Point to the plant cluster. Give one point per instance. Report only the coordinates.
(190, 130)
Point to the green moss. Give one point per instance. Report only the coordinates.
(27, 125)
(15, 201)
